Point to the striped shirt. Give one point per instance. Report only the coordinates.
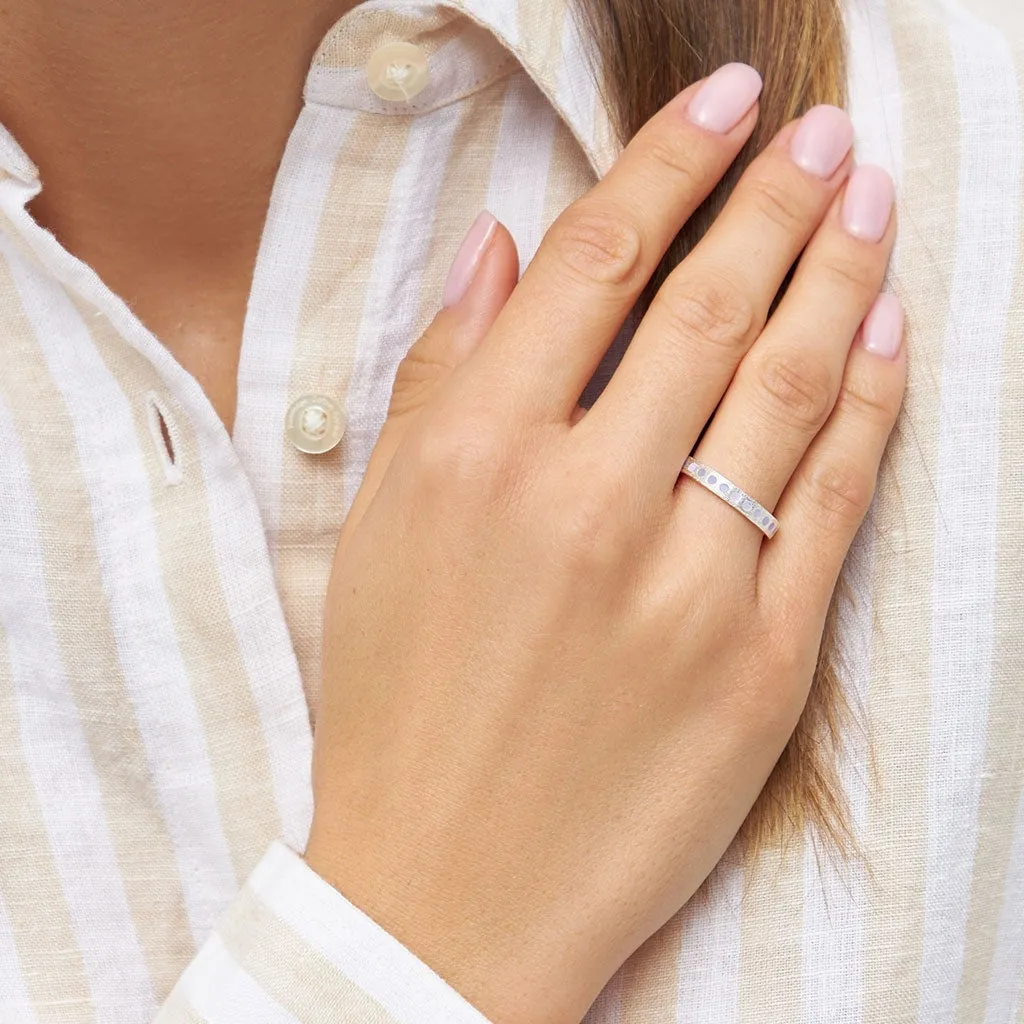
(160, 616)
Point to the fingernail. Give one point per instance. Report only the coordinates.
(882, 331)
(867, 205)
(725, 98)
(822, 140)
(467, 260)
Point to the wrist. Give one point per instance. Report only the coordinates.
(510, 973)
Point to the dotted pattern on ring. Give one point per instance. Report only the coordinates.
(722, 487)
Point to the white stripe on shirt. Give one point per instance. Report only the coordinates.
(517, 191)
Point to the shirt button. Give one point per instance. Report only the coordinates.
(315, 424)
(398, 72)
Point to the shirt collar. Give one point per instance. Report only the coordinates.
(470, 44)
(554, 48)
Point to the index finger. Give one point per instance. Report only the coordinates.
(599, 255)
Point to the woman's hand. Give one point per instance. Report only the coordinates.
(556, 676)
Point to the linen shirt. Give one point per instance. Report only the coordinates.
(160, 606)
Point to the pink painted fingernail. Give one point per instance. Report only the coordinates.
(867, 205)
(882, 331)
(725, 98)
(822, 141)
(468, 258)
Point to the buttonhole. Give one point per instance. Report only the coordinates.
(165, 438)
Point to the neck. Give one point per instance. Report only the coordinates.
(157, 126)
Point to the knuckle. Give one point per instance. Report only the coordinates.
(770, 699)
(785, 659)
(671, 154)
(789, 684)
(878, 408)
(588, 528)
(841, 491)
(797, 388)
(597, 245)
(459, 453)
(417, 376)
(847, 273)
(713, 313)
(780, 205)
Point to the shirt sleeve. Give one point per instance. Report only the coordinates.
(292, 950)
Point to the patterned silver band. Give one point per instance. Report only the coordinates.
(735, 496)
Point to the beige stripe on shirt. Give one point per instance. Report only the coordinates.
(569, 175)
(899, 690)
(30, 887)
(289, 970)
(178, 1009)
(189, 1016)
(463, 190)
(82, 628)
(543, 24)
(220, 688)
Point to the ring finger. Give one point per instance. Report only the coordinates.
(786, 387)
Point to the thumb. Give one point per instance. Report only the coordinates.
(482, 277)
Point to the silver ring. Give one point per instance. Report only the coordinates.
(725, 489)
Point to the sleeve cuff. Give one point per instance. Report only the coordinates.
(292, 949)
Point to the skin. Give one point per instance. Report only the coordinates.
(158, 129)
(537, 640)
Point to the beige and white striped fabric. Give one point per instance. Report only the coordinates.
(159, 620)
